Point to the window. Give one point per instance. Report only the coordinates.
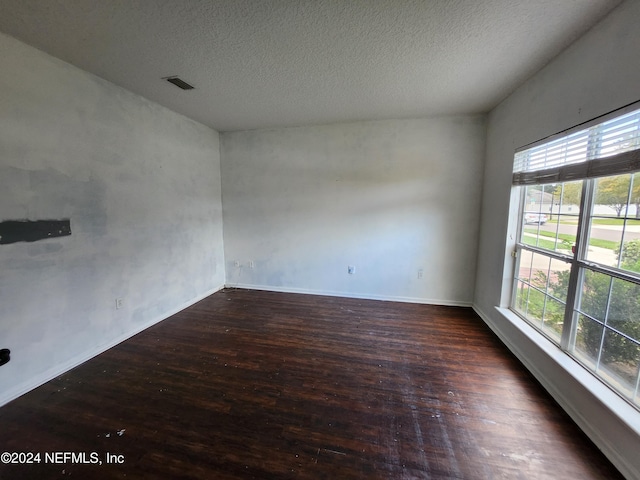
(577, 276)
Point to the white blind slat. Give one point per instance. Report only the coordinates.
(559, 159)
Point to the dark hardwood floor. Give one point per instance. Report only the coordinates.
(263, 385)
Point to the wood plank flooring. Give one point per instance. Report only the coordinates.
(263, 385)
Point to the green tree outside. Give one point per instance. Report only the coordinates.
(571, 193)
(623, 310)
(614, 192)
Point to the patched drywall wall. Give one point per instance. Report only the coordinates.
(597, 74)
(397, 199)
(140, 187)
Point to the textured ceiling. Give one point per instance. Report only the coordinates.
(271, 63)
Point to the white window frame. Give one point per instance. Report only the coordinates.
(576, 154)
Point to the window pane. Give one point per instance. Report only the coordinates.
(605, 238)
(567, 229)
(538, 278)
(557, 235)
(608, 226)
(535, 306)
(588, 340)
(550, 217)
(562, 226)
(630, 254)
(612, 195)
(525, 257)
(553, 319)
(537, 201)
(537, 236)
(624, 308)
(569, 204)
(619, 363)
(540, 271)
(522, 297)
(559, 279)
(594, 294)
(535, 215)
(530, 236)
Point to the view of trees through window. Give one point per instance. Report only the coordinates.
(577, 277)
(606, 337)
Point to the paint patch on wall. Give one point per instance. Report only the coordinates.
(13, 231)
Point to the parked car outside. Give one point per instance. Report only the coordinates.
(539, 218)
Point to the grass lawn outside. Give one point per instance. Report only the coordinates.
(538, 242)
(565, 239)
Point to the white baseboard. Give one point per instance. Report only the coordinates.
(363, 296)
(609, 404)
(57, 370)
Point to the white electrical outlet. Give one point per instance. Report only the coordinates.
(420, 272)
(119, 303)
(251, 264)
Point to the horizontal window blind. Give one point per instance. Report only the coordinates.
(611, 147)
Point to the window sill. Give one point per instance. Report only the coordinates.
(626, 413)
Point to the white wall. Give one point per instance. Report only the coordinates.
(141, 186)
(597, 74)
(389, 197)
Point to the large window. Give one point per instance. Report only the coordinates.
(577, 276)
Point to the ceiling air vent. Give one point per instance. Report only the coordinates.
(178, 82)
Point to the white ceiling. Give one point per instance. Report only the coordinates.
(272, 63)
